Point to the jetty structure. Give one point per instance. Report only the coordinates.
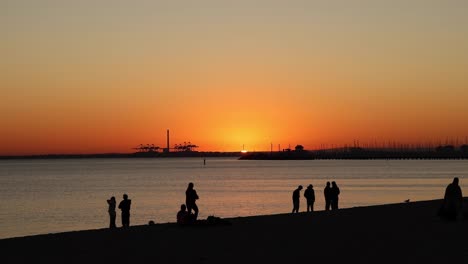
(366, 152)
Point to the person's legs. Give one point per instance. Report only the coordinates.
(112, 220)
(195, 210)
(327, 205)
(125, 220)
(334, 204)
(189, 208)
(295, 207)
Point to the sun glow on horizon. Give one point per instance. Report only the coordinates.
(289, 73)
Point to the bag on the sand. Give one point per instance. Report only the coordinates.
(214, 220)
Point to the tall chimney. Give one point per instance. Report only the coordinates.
(168, 141)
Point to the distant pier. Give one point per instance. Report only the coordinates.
(442, 152)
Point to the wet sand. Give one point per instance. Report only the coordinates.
(396, 233)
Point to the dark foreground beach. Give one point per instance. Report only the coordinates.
(396, 233)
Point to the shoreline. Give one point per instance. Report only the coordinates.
(238, 218)
(364, 234)
(318, 212)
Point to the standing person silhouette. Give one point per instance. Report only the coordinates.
(112, 215)
(190, 199)
(296, 197)
(309, 194)
(453, 200)
(125, 207)
(335, 191)
(327, 194)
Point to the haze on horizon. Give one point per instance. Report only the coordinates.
(105, 76)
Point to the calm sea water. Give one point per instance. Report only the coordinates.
(47, 196)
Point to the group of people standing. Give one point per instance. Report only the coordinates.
(124, 206)
(183, 216)
(331, 194)
(451, 207)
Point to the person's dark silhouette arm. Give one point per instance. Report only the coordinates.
(447, 190)
(460, 196)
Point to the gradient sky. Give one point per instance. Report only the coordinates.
(105, 76)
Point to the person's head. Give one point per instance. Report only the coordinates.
(125, 196)
(183, 207)
(328, 184)
(112, 198)
(299, 187)
(334, 184)
(190, 185)
(310, 186)
(455, 181)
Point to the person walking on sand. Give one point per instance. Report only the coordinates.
(327, 194)
(453, 200)
(309, 194)
(125, 207)
(190, 199)
(334, 193)
(112, 215)
(296, 197)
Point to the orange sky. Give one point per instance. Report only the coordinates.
(89, 78)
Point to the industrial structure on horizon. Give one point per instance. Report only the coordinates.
(151, 148)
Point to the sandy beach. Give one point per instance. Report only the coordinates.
(395, 233)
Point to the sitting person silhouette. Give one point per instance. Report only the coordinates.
(453, 201)
(182, 215)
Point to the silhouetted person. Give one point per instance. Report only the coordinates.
(453, 200)
(295, 198)
(125, 207)
(327, 194)
(309, 194)
(182, 215)
(111, 211)
(334, 193)
(190, 199)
